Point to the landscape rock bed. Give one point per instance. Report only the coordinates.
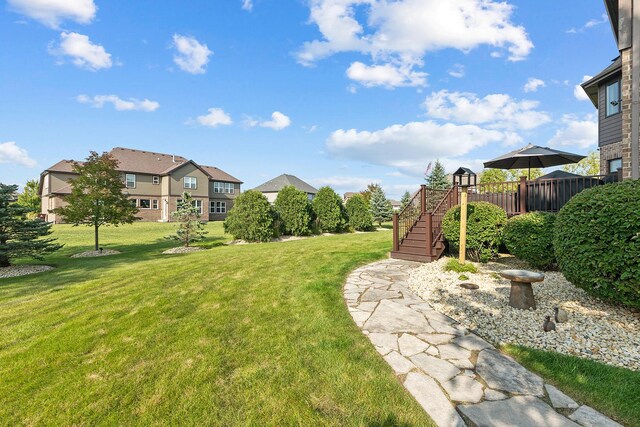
(595, 330)
(183, 250)
(89, 254)
(22, 270)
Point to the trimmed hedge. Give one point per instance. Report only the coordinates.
(530, 238)
(485, 222)
(294, 211)
(360, 217)
(331, 215)
(251, 218)
(597, 242)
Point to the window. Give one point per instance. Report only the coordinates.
(614, 165)
(155, 179)
(190, 182)
(130, 180)
(223, 187)
(217, 207)
(154, 204)
(145, 203)
(613, 98)
(196, 203)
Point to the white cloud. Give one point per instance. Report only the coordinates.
(498, 111)
(191, 56)
(278, 121)
(247, 5)
(533, 85)
(409, 147)
(131, 104)
(52, 12)
(404, 31)
(386, 75)
(457, 71)
(576, 132)
(216, 117)
(589, 24)
(83, 53)
(10, 152)
(578, 92)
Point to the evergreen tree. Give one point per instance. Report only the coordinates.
(251, 218)
(380, 207)
(190, 228)
(406, 198)
(437, 177)
(20, 236)
(370, 189)
(294, 211)
(30, 198)
(331, 215)
(360, 218)
(96, 197)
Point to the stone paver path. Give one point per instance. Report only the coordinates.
(457, 377)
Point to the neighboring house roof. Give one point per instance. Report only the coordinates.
(591, 86)
(220, 175)
(348, 195)
(395, 202)
(148, 162)
(279, 182)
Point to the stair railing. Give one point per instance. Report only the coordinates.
(408, 216)
(434, 233)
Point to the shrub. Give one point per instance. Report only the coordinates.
(330, 213)
(251, 218)
(294, 211)
(597, 241)
(530, 238)
(454, 265)
(360, 217)
(485, 222)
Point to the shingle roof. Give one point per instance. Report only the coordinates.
(279, 182)
(220, 175)
(591, 85)
(147, 162)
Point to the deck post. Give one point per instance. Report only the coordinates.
(522, 194)
(396, 233)
(428, 225)
(423, 198)
(455, 196)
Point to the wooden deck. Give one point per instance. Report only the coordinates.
(417, 229)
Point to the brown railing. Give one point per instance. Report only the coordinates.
(503, 194)
(403, 221)
(449, 200)
(550, 195)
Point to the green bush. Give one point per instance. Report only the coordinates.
(530, 238)
(454, 265)
(294, 211)
(360, 217)
(251, 218)
(485, 222)
(331, 215)
(597, 242)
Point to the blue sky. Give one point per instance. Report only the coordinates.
(337, 92)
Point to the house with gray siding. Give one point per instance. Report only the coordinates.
(271, 188)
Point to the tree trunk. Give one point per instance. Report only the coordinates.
(95, 232)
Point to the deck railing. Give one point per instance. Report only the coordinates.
(435, 217)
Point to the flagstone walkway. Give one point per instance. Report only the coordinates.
(457, 377)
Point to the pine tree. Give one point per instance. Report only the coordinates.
(96, 197)
(406, 198)
(190, 228)
(30, 198)
(381, 208)
(437, 178)
(20, 236)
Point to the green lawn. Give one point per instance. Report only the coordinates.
(239, 335)
(613, 391)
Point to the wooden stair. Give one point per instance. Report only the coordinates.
(414, 246)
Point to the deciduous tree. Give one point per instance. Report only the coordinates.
(590, 165)
(97, 196)
(30, 198)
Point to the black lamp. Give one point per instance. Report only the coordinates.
(464, 177)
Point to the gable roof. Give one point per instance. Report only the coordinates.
(279, 182)
(148, 162)
(220, 175)
(591, 86)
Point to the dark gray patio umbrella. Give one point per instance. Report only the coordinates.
(533, 156)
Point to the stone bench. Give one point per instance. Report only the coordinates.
(521, 295)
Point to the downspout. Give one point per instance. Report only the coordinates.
(635, 91)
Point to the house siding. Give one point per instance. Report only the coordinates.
(609, 128)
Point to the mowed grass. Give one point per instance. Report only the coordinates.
(613, 391)
(234, 335)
